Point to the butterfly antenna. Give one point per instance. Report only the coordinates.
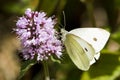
(64, 19)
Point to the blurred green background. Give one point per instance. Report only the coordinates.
(78, 13)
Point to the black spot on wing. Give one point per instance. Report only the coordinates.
(95, 39)
(86, 49)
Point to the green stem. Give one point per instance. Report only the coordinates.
(89, 6)
(46, 71)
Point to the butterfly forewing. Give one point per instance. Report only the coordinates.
(76, 52)
(95, 36)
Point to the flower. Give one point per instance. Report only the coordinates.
(38, 36)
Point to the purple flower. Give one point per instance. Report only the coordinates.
(38, 36)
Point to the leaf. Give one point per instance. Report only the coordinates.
(19, 6)
(25, 67)
(107, 68)
(51, 6)
(55, 60)
(116, 37)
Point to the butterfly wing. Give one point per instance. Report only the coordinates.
(96, 57)
(95, 36)
(80, 52)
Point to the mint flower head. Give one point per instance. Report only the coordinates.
(38, 36)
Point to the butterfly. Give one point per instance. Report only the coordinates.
(83, 45)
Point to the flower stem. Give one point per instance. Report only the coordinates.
(89, 6)
(46, 71)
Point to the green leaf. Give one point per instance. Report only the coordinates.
(19, 6)
(107, 68)
(25, 67)
(116, 37)
(55, 60)
(51, 6)
(117, 3)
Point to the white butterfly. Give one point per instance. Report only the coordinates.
(84, 45)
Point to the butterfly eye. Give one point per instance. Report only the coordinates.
(95, 39)
(86, 49)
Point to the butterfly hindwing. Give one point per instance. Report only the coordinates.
(78, 53)
(96, 57)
